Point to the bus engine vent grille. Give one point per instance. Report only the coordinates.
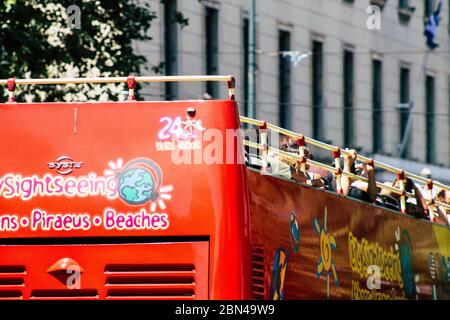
(258, 273)
(12, 282)
(64, 294)
(154, 282)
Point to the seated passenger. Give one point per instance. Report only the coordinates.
(254, 159)
(357, 189)
(277, 166)
(308, 177)
(444, 214)
(417, 206)
(385, 199)
(443, 196)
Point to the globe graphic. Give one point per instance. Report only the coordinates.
(407, 265)
(136, 186)
(295, 232)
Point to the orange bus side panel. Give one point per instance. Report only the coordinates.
(318, 245)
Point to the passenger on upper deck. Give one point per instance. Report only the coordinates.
(444, 214)
(443, 196)
(277, 166)
(254, 158)
(296, 173)
(291, 168)
(358, 189)
(416, 207)
(282, 166)
(307, 176)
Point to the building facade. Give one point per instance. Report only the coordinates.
(361, 74)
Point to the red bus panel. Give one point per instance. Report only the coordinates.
(131, 169)
(125, 271)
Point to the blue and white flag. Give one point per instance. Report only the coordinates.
(431, 27)
(295, 56)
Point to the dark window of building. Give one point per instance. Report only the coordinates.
(404, 109)
(245, 44)
(377, 105)
(430, 107)
(171, 47)
(405, 10)
(348, 98)
(403, 4)
(429, 7)
(317, 89)
(212, 49)
(379, 3)
(284, 78)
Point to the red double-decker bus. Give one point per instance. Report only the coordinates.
(154, 200)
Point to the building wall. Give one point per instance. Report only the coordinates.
(338, 23)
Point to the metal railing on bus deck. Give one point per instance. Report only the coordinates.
(337, 171)
(131, 81)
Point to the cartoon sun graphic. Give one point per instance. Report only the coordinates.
(139, 182)
(326, 263)
(114, 166)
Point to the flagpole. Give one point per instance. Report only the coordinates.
(251, 98)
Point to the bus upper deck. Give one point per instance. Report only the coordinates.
(153, 200)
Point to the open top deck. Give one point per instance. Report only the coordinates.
(153, 201)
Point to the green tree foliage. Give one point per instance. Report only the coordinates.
(40, 39)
